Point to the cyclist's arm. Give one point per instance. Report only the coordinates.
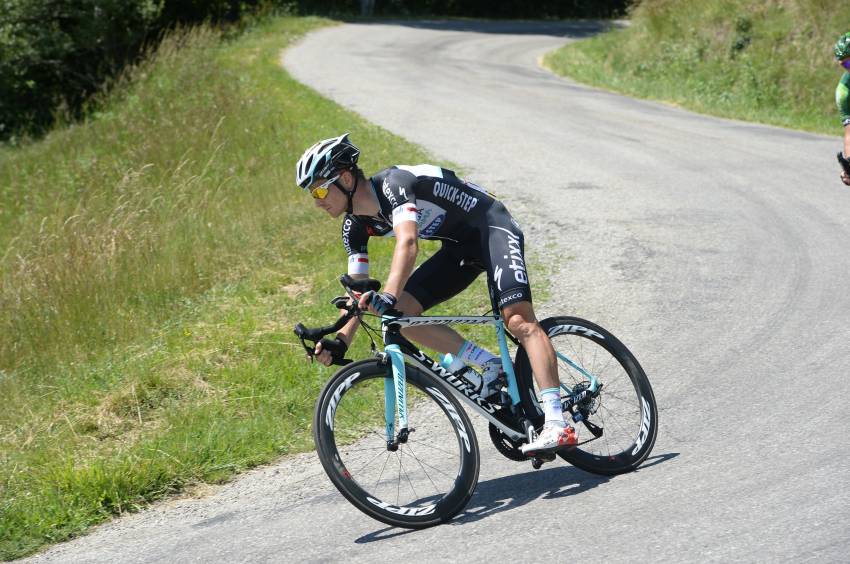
(847, 139)
(404, 259)
(398, 189)
(355, 239)
(350, 329)
(404, 256)
(842, 100)
(346, 334)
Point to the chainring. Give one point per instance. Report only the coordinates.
(509, 448)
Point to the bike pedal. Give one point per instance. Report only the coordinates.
(538, 460)
(544, 456)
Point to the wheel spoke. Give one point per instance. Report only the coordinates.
(432, 447)
(612, 440)
(406, 475)
(424, 471)
(434, 468)
(386, 460)
(363, 467)
(618, 406)
(429, 465)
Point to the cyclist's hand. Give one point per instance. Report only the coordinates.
(845, 166)
(322, 355)
(328, 349)
(377, 302)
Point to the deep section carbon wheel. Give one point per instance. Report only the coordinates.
(620, 421)
(425, 479)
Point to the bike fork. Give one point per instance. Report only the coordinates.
(395, 399)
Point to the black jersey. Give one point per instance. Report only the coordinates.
(477, 232)
(442, 205)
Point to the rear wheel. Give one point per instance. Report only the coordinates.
(428, 479)
(623, 413)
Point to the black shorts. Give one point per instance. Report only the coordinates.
(499, 250)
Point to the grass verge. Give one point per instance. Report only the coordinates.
(754, 60)
(154, 260)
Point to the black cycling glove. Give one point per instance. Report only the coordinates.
(382, 301)
(336, 347)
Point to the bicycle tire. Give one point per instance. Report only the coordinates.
(358, 389)
(635, 426)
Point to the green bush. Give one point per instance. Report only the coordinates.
(54, 54)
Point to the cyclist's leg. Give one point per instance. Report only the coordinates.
(521, 322)
(505, 263)
(506, 266)
(438, 337)
(436, 280)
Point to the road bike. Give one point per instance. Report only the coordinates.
(394, 440)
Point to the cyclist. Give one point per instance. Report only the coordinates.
(477, 233)
(842, 99)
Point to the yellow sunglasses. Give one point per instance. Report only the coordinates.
(320, 191)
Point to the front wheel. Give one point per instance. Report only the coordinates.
(431, 474)
(620, 422)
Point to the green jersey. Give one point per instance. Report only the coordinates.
(842, 98)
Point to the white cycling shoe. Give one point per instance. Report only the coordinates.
(552, 437)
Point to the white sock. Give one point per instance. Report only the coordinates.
(470, 352)
(551, 399)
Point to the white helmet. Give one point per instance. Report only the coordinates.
(326, 159)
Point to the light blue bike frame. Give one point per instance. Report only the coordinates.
(395, 396)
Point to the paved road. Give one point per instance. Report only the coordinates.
(717, 250)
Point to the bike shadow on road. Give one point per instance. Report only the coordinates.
(513, 491)
(516, 490)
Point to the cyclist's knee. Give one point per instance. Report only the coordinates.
(520, 320)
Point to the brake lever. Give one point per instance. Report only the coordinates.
(340, 302)
(299, 332)
(315, 336)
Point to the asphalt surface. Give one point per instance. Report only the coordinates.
(716, 250)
